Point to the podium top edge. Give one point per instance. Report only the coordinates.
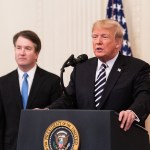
(79, 110)
(64, 110)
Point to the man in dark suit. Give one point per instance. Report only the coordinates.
(125, 87)
(43, 87)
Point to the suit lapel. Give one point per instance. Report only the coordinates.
(15, 86)
(91, 81)
(114, 75)
(34, 88)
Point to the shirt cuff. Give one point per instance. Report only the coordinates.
(136, 117)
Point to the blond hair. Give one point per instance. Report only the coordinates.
(110, 24)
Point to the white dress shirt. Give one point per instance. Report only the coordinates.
(30, 77)
(109, 65)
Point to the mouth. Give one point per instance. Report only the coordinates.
(21, 59)
(99, 49)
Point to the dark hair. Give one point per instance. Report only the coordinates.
(30, 35)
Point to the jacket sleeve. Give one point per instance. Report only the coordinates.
(1, 124)
(141, 93)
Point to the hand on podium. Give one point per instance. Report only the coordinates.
(126, 118)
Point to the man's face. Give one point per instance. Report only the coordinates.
(105, 45)
(25, 54)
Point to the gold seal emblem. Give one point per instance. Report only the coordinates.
(61, 135)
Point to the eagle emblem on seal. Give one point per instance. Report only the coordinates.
(61, 139)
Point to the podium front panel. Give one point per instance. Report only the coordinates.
(98, 130)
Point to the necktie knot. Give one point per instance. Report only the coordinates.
(104, 65)
(25, 75)
(102, 70)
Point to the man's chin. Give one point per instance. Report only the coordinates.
(24, 66)
(99, 54)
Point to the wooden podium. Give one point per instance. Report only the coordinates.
(98, 130)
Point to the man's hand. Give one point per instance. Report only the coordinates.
(126, 118)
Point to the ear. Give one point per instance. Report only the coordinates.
(118, 43)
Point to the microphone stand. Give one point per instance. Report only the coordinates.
(62, 70)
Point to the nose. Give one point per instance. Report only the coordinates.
(22, 51)
(99, 40)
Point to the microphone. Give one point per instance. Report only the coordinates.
(71, 61)
(80, 59)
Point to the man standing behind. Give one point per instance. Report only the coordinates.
(27, 87)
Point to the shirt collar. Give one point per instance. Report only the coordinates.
(30, 72)
(109, 63)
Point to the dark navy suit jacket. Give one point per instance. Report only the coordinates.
(127, 87)
(45, 90)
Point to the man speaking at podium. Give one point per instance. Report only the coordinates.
(110, 81)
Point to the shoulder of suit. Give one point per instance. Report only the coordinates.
(139, 60)
(46, 73)
(7, 78)
(133, 60)
(10, 74)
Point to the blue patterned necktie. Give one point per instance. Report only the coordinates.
(24, 90)
(99, 85)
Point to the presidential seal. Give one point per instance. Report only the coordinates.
(61, 135)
